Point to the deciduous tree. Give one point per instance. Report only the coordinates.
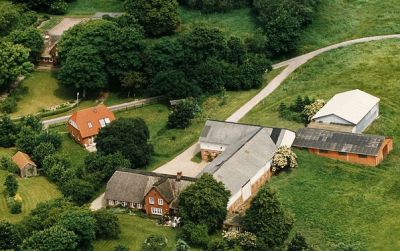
(10, 237)
(107, 225)
(11, 185)
(30, 38)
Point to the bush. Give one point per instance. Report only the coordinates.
(8, 165)
(58, 7)
(154, 243)
(181, 245)
(295, 112)
(218, 245)
(15, 206)
(11, 185)
(245, 240)
(197, 235)
(183, 113)
(283, 158)
(298, 243)
(107, 225)
(121, 248)
(310, 110)
(9, 105)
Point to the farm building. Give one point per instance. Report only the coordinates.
(241, 156)
(26, 166)
(351, 111)
(351, 147)
(84, 125)
(156, 194)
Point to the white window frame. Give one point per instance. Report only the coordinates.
(160, 202)
(151, 200)
(107, 120)
(123, 204)
(156, 211)
(102, 122)
(90, 124)
(111, 202)
(139, 206)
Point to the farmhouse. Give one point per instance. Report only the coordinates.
(85, 124)
(351, 147)
(241, 156)
(156, 194)
(26, 166)
(351, 111)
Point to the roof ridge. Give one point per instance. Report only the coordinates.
(247, 124)
(161, 175)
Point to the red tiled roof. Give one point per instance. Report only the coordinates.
(22, 159)
(91, 117)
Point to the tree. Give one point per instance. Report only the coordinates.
(107, 225)
(55, 166)
(196, 235)
(26, 140)
(133, 81)
(57, 7)
(251, 72)
(283, 158)
(55, 238)
(14, 62)
(310, 110)
(158, 17)
(204, 202)
(104, 166)
(173, 84)
(121, 248)
(82, 224)
(154, 243)
(7, 164)
(217, 245)
(203, 42)
(212, 75)
(129, 137)
(267, 219)
(183, 113)
(41, 151)
(79, 190)
(14, 17)
(83, 70)
(8, 131)
(10, 237)
(30, 38)
(50, 137)
(33, 122)
(236, 50)
(298, 243)
(11, 185)
(181, 245)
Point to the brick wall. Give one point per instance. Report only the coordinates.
(153, 193)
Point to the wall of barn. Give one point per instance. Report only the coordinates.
(349, 157)
(368, 119)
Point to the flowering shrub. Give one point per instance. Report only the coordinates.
(283, 158)
(310, 110)
(245, 240)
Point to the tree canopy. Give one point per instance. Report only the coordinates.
(30, 38)
(267, 219)
(14, 62)
(130, 137)
(204, 202)
(158, 17)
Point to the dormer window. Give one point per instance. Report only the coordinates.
(104, 122)
(89, 124)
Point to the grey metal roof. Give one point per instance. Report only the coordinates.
(338, 141)
(249, 149)
(132, 185)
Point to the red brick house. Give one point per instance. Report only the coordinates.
(84, 125)
(156, 194)
(356, 148)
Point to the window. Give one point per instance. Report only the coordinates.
(139, 206)
(71, 122)
(323, 151)
(151, 200)
(132, 205)
(111, 202)
(123, 204)
(342, 153)
(363, 156)
(89, 124)
(160, 202)
(107, 120)
(156, 210)
(102, 122)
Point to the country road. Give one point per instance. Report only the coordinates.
(183, 162)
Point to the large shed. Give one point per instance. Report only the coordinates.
(350, 111)
(351, 147)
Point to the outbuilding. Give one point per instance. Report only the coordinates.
(26, 166)
(351, 147)
(350, 111)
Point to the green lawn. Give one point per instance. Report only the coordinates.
(89, 7)
(44, 91)
(32, 191)
(135, 230)
(334, 201)
(238, 22)
(339, 20)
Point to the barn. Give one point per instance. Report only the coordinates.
(241, 156)
(350, 147)
(350, 111)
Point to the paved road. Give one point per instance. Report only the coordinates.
(183, 162)
(136, 103)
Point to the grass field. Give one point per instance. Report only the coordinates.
(32, 191)
(89, 7)
(339, 20)
(135, 230)
(334, 201)
(238, 22)
(43, 92)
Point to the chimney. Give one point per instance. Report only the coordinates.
(178, 176)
